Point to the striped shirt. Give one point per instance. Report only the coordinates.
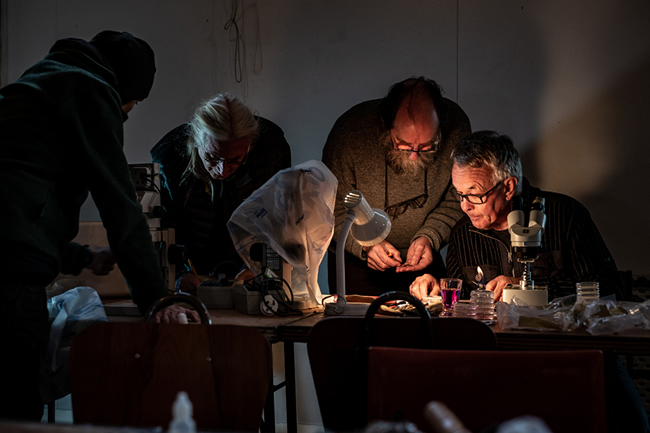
(572, 251)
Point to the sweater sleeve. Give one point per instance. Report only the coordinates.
(168, 152)
(106, 169)
(341, 165)
(75, 258)
(438, 224)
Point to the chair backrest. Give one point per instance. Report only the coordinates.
(484, 388)
(129, 374)
(338, 362)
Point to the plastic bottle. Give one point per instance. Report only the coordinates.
(182, 421)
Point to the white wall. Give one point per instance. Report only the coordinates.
(567, 80)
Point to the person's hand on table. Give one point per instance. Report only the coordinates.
(418, 257)
(103, 261)
(171, 314)
(383, 256)
(188, 283)
(498, 284)
(424, 285)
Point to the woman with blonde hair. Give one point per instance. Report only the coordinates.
(209, 166)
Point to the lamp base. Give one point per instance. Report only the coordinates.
(352, 309)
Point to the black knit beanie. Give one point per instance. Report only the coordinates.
(132, 60)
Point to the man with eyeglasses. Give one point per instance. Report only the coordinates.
(209, 166)
(396, 151)
(487, 177)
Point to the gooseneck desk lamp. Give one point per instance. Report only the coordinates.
(369, 226)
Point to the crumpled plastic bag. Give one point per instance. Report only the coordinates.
(600, 316)
(69, 313)
(606, 316)
(293, 213)
(554, 316)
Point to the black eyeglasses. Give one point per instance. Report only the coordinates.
(415, 203)
(429, 147)
(475, 198)
(235, 161)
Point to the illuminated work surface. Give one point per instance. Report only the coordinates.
(296, 329)
(269, 326)
(628, 343)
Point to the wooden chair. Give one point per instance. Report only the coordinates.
(337, 347)
(129, 374)
(484, 388)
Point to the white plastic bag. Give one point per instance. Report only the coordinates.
(293, 213)
(70, 313)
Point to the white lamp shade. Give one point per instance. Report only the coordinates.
(374, 231)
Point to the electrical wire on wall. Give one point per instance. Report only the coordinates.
(238, 48)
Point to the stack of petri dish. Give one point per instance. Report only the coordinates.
(588, 290)
(484, 304)
(464, 309)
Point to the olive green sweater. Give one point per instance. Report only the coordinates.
(355, 153)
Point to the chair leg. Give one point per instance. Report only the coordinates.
(51, 411)
(268, 423)
(290, 387)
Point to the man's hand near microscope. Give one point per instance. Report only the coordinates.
(498, 284)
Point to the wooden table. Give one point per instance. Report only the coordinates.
(627, 343)
(295, 329)
(270, 326)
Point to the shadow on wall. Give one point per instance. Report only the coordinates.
(600, 156)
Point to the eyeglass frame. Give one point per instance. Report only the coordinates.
(436, 141)
(233, 162)
(412, 203)
(480, 197)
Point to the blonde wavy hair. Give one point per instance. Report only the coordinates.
(224, 119)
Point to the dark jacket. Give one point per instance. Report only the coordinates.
(572, 250)
(199, 218)
(61, 136)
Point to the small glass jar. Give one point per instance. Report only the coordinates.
(588, 290)
(464, 308)
(484, 302)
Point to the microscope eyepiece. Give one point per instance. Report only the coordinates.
(538, 204)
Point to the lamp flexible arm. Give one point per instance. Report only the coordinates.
(341, 303)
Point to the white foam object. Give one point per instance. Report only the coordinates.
(182, 421)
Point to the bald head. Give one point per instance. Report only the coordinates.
(411, 94)
(416, 121)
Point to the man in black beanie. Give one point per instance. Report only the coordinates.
(132, 62)
(61, 137)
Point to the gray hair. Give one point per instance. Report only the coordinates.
(491, 149)
(224, 119)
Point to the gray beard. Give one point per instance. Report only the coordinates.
(401, 164)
